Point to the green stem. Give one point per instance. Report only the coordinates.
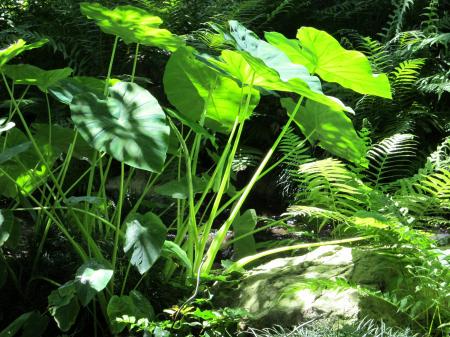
(136, 54)
(111, 61)
(221, 234)
(238, 265)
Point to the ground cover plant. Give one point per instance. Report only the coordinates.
(117, 199)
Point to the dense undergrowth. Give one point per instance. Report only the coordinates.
(139, 164)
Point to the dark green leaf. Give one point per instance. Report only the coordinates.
(171, 249)
(144, 237)
(63, 305)
(243, 225)
(178, 189)
(31, 323)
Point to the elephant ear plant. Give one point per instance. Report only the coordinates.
(121, 124)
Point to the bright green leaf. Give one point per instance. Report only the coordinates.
(171, 249)
(190, 85)
(31, 75)
(129, 125)
(91, 278)
(132, 24)
(17, 48)
(332, 63)
(273, 57)
(332, 129)
(144, 237)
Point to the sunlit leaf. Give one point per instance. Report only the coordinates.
(190, 85)
(17, 48)
(325, 57)
(273, 57)
(248, 70)
(332, 129)
(132, 24)
(129, 125)
(32, 75)
(91, 278)
(144, 238)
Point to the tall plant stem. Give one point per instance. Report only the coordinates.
(111, 61)
(136, 54)
(221, 234)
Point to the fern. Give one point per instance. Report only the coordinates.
(328, 183)
(396, 21)
(404, 77)
(391, 159)
(436, 84)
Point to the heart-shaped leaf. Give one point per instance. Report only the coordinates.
(144, 237)
(17, 48)
(129, 125)
(325, 57)
(178, 189)
(273, 57)
(247, 69)
(243, 225)
(171, 249)
(66, 89)
(91, 278)
(31, 75)
(132, 24)
(332, 129)
(190, 85)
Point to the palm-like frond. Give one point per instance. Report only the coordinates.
(391, 159)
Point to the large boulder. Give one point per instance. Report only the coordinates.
(330, 284)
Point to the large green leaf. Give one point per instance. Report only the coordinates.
(332, 129)
(6, 224)
(132, 24)
(273, 57)
(247, 69)
(31, 75)
(135, 305)
(144, 237)
(63, 305)
(190, 85)
(243, 225)
(91, 278)
(324, 56)
(66, 89)
(129, 125)
(17, 48)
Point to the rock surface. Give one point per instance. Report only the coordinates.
(329, 284)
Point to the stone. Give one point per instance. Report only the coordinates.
(329, 284)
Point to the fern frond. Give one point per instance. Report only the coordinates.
(316, 213)
(328, 183)
(391, 159)
(404, 77)
(396, 19)
(435, 84)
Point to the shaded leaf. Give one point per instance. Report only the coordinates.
(32, 75)
(63, 305)
(144, 237)
(32, 323)
(135, 305)
(178, 189)
(242, 225)
(129, 125)
(171, 249)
